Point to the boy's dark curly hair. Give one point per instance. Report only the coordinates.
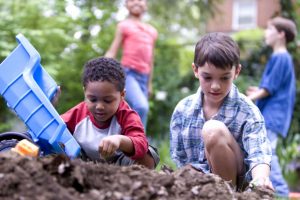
(104, 69)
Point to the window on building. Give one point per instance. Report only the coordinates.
(244, 14)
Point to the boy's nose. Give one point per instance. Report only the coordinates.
(215, 85)
(99, 106)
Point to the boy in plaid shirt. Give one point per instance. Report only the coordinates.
(218, 129)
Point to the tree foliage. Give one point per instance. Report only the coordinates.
(174, 16)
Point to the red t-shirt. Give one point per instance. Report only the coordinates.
(138, 43)
(88, 133)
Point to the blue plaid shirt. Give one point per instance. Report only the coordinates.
(239, 114)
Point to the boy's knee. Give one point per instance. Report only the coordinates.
(147, 161)
(213, 127)
(151, 159)
(213, 131)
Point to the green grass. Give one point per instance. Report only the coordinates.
(163, 146)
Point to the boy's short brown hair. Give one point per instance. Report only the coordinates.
(285, 25)
(218, 49)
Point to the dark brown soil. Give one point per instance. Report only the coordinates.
(56, 177)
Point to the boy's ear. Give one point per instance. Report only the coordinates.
(195, 70)
(282, 34)
(237, 71)
(123, 94)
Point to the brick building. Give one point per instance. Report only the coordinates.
(235, 15)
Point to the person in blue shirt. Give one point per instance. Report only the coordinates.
(219, 130)
(276, 93)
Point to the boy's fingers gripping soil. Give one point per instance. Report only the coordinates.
(262, 181)
(104, 149)
(101, 146)
(110, 150)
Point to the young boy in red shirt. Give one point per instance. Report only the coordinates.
(103, 124)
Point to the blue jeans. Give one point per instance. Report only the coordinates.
(137, 93)
(279, 184)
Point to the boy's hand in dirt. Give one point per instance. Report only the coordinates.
(263, 182)
(109, 145)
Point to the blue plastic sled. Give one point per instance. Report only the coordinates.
(28, 89)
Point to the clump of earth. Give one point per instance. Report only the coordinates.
(56, 177)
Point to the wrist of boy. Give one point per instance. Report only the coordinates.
(258, 181)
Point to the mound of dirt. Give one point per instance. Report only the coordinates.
(56, 177)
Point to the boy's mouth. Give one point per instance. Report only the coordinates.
(100, 114)
(215, 93)
(136, 7)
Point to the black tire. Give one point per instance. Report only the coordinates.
(6, 145)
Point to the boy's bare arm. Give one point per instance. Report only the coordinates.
(113, 50)
(110, 144)
(255, 93)
(260, 174)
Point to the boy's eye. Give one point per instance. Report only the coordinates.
(225, 78)
(107, 101)
(207, 78)
(93, 100)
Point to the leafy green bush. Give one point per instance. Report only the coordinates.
(170, 65)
